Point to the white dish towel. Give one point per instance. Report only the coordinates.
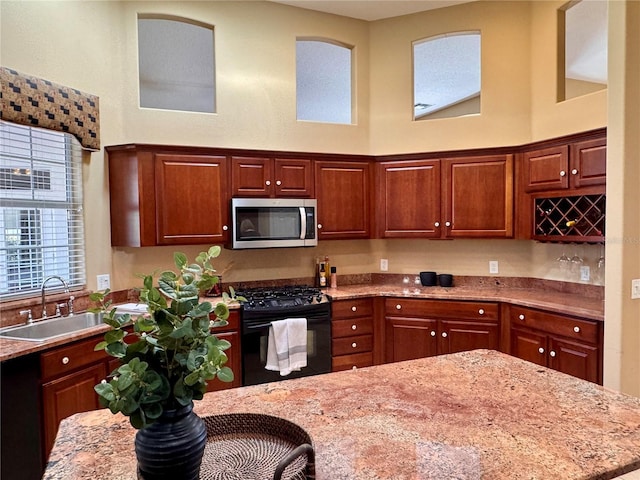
(287, 345)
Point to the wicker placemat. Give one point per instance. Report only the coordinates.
(247, 446)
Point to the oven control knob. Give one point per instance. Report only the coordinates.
(261, 303)
(319, 298)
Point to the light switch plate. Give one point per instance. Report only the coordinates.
(635, 288)
(384, 265)
(104, 281)
(493, 266)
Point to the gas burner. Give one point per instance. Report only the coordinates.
(281, 298)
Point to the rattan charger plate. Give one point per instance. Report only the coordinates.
(248, 446)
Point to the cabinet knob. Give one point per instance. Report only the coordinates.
(562, 173)
(354, 327)
(354, 308)
(574, 171)
(576, 329)
(552, 353)
(354, 344)
(541, 350)
(65, 360)
(481, 311)
(278, 182)
(225, 228)
(437, 224)
(433, 333)
(319, 226)
(521, 316)
(398, 307)
(447, 224)
(444, 334)
(267, 183)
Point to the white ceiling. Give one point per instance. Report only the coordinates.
(371, 9)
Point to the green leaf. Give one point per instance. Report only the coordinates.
(214, 251)
(100, 346)
(105, 390)
(185, 330)
(192, 378)
(137, 420)
(221, 311)
(117, 350)
(114, 336)
(153, 410)
(225, 374)
(180, 259)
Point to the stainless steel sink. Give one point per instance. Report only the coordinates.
(46, 329)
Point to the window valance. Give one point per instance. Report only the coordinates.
(36, 102)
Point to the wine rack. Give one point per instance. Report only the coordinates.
(570, 219)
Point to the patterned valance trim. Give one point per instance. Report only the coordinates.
(35, 102)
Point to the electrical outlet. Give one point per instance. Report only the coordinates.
(104, 281)
(635, 288)
(493, 266)
(384, 265)
(585, 273)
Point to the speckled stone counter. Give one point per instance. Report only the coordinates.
(472, 415)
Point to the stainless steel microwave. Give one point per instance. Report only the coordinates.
(273, 222)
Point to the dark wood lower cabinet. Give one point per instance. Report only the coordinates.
(352, 334)
(423, 328)
(567, 344)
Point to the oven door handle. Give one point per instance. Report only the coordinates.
(258, 326)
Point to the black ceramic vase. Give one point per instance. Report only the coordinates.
(172, 447)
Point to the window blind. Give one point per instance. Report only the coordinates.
(41, 218)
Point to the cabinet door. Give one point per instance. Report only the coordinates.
(408, 199)
(589, 163)
(529, 346)
(191, 199)
(410, 338)
(478, 196)
(573, 358)
(546, 169)
(342, 190)
(251, 177)
(293, 178)
(69, 395)
(234, 363)
(462, 336)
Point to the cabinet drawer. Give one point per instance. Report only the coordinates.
(584, 330)
(69, 358)
(349, 362)
(350, 327)
(442, 309)
(349, 345)
(359, 307)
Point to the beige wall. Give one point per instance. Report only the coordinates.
(92, 46)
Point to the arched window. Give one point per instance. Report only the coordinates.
(323, 81)
(446, 76)
(582, 50)
(176, 64)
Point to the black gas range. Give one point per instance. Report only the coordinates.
(264, 305)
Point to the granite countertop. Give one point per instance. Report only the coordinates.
(471, 415)
(525, 292)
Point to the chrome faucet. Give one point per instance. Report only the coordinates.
(42, 289)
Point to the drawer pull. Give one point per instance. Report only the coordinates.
(437, 224)
(562, 173)
(268, 182)
(278, 182)
(576, 329)
(354, 344)
(521, 316)
(444, 334)
(574, 171)
(225, 228)
(541, 350)
(354, 327)
(398, 307)
(65, 360)
(552, 353)
(354, 308)
(481, 311)
(433, 333)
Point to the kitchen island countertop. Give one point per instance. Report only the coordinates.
(472, 415)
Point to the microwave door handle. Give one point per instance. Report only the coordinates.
(303, 223)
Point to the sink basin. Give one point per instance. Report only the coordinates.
(46, 329)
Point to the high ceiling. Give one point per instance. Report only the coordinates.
(371, 9)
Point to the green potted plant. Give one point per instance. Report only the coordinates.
(165, 363)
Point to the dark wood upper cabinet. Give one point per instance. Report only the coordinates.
(408, 199)
(570, 166)
(478, 196)
(343, 194)
(164, 196)
(271, 177)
